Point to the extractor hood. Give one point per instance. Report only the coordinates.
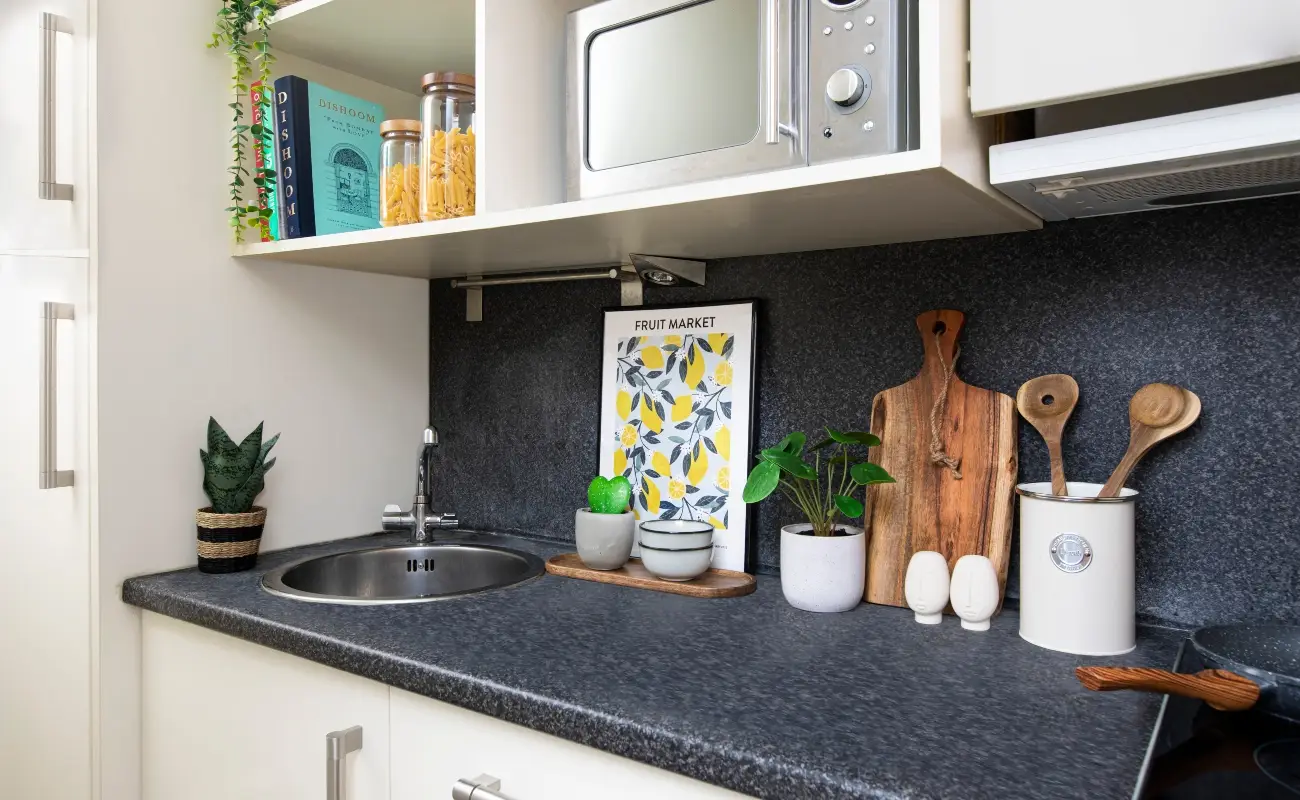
(1228, 153)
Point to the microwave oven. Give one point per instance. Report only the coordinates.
(666, 92)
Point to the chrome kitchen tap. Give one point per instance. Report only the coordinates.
(420, 521)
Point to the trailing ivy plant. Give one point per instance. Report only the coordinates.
(816, 489)
(243, 31)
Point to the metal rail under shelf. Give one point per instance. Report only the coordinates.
(632, 276)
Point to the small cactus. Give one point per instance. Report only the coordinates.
(233, 473)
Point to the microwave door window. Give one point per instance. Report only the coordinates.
(685, 81)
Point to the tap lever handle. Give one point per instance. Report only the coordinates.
(431, 436)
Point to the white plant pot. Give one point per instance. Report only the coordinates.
(823, 573)
(604, 540)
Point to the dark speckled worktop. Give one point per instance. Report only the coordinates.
(745, 693)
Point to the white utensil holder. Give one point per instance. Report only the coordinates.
(1076, 569)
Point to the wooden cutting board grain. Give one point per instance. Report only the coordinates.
(930, 508)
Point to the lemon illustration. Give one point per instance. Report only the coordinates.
(623, 405)
(660, 462)
(723, 374)
(699, 468)
(620, 461)
(724, 478)
(629, 435)
(651, 498)
(653, 357)
(717, 341)
(722, 441)
(717, 523)
(682, 408)
(649, 417)
(695, 369)
(676, 341)
(676, 489)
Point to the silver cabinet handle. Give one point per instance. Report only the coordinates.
(51, 26)
(337, 746)
(48, 429)
(772, 59)
(484, 787)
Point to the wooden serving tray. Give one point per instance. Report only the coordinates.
(714, 583)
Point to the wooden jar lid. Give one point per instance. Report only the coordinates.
(394, 125)
(454, 78)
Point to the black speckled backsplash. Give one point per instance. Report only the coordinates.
(1208, 298)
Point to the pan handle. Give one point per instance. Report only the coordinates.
(1220, 689)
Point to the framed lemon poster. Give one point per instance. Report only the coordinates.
(677, 411)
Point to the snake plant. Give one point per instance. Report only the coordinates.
(233, 474)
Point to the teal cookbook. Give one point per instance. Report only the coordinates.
(328, 158)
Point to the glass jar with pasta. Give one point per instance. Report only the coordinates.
(447, 154)
(399, 191)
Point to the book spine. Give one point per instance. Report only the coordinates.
(264, 158)
(293, 154)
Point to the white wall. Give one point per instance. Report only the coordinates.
(335, 361)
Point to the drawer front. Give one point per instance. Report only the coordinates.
(434, 744)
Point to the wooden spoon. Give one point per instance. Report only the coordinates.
(1156, 412)
(1047, 403)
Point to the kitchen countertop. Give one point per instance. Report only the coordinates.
(745, 693)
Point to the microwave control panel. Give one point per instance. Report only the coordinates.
(859, 76)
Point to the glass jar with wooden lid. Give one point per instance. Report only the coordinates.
(399, 157)
(447, 155)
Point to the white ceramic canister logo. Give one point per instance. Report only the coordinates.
(1071, 552)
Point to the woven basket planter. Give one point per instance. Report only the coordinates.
(229, 542)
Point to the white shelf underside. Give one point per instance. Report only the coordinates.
(896, 198)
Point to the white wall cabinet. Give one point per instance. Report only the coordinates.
(28, 223)
(45, 738)
(264, 714)
(1031, 53)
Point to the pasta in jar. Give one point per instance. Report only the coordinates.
(399, 191)
(447, 180)
(449, 191)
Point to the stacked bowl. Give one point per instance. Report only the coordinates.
(676, 549)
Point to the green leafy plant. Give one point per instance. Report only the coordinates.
(233, 473)
(815, 488)
(609, 495)
(243, 30)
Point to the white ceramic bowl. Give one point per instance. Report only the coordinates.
(676, 534)
(676, 565)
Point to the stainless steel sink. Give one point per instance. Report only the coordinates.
(412, 574)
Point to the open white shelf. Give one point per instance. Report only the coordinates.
(516, 50)
(393, 42)
(895, 198)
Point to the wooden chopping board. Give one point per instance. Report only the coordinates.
(929, 508)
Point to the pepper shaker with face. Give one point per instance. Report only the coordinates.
(974, 592)
(926, 586)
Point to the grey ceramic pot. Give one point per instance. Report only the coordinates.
(604, 540)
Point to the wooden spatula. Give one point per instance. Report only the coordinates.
(1226, 691)
(1156, 412)
(1047, 402)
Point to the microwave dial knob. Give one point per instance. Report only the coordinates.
(845, 87)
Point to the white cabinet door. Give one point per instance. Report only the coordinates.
(1031, 53)
(228, 720)
(27, 222)
(44, 538)
(435, 744)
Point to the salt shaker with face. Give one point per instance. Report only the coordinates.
(926, 586)
(974, 592)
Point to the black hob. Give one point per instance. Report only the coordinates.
(1198, 753)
